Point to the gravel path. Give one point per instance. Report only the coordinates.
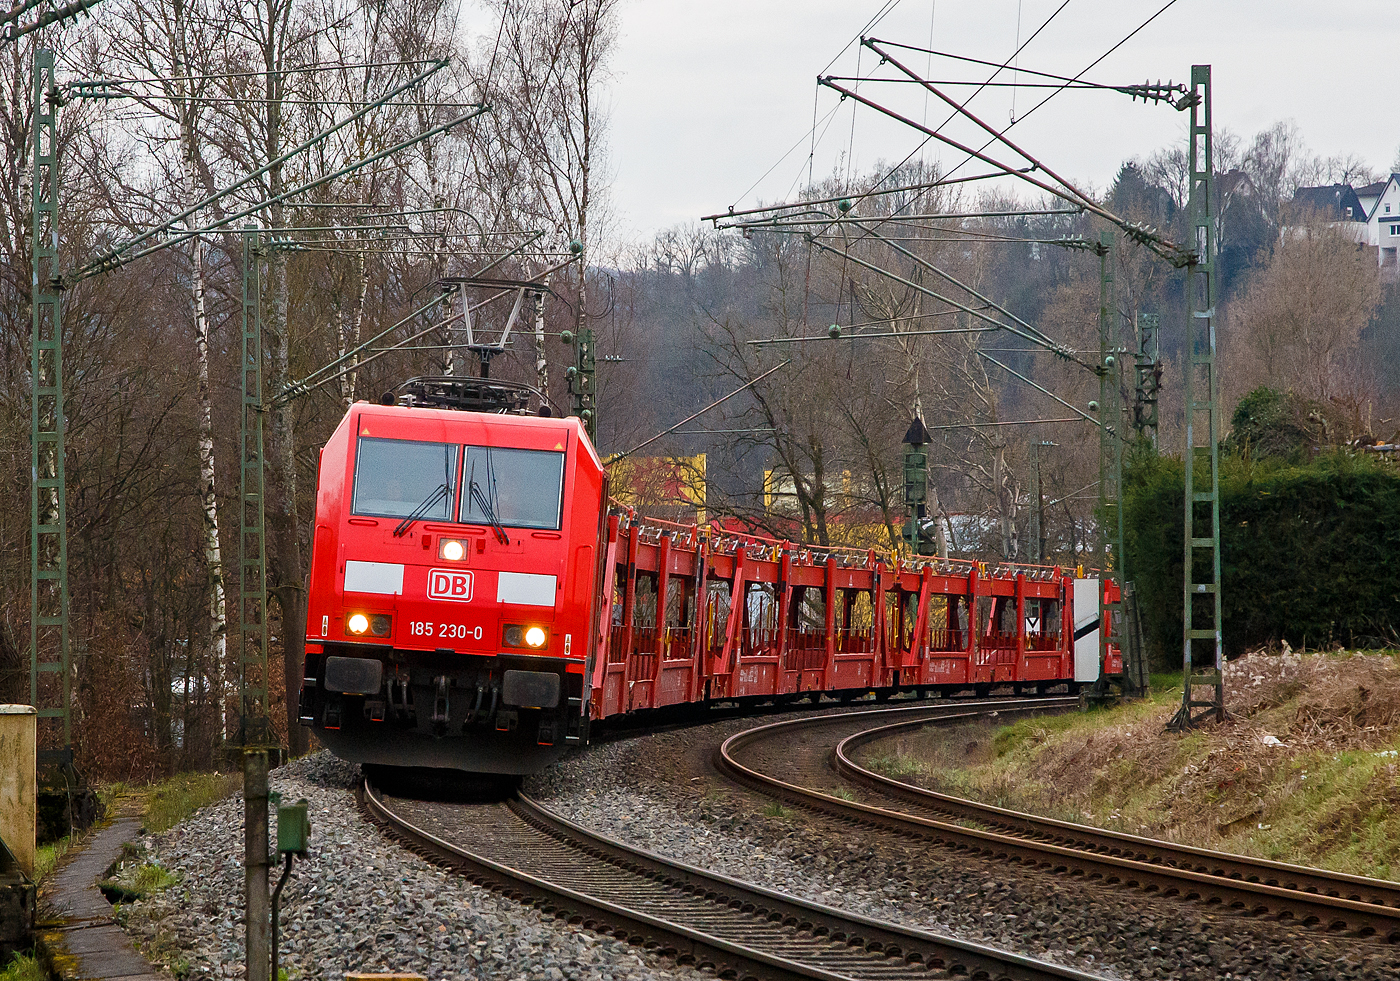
(357, 903)
(660, 792)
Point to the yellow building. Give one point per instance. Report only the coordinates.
(661, 486)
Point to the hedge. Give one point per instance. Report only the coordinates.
(1310, 553)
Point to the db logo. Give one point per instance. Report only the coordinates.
(450, 584)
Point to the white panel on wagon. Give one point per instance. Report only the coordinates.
(1086, 630)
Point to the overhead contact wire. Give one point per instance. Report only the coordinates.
(894, 170)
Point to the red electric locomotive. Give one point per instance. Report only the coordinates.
(473, 604)
(452, 581)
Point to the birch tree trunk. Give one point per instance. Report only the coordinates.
(1006, 501)
(350, 331)
(217, 638)
(208, 498)
(541, 361)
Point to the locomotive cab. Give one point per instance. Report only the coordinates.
(452, 585)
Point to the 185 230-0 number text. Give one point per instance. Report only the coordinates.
(446, 631)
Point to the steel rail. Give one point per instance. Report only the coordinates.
(1337, 885)
(696, 917)
(1313, 897)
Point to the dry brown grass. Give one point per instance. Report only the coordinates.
(1305, 770)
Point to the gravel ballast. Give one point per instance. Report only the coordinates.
(361, 903)
(358, 902)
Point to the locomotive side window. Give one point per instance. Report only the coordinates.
(396, 477)
(518, 488)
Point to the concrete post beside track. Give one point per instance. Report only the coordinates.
(17, 782)
(258, 921)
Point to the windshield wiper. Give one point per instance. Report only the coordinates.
(402, 527)
(478, 496)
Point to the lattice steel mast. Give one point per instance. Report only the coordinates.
(49, 627)
(1110, 516)
(1201, 625)
(1112, 433)
(1149, 378)
(252, 540)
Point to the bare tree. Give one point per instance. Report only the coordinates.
(543, 77)
(791, 414)
(169, 44)
(1298, 324)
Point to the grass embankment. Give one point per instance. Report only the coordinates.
(171, 801)
(1307, 770)
(164, 805)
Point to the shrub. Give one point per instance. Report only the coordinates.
(1268, 422)
(1306, 551)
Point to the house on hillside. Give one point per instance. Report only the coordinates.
(1369, 214)
(1336, 204)
(1370, 195)
(1383, 221)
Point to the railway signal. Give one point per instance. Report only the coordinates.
(916, 487)
(580, 377)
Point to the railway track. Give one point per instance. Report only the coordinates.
(693, 916)
(1335, 902)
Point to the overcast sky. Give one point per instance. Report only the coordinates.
(707, 96)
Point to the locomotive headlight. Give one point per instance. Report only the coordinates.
(519, 635)
(379, 625)
(357, 624)
(452, 550)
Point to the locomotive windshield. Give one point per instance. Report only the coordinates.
(519, 488)
(395, 477)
